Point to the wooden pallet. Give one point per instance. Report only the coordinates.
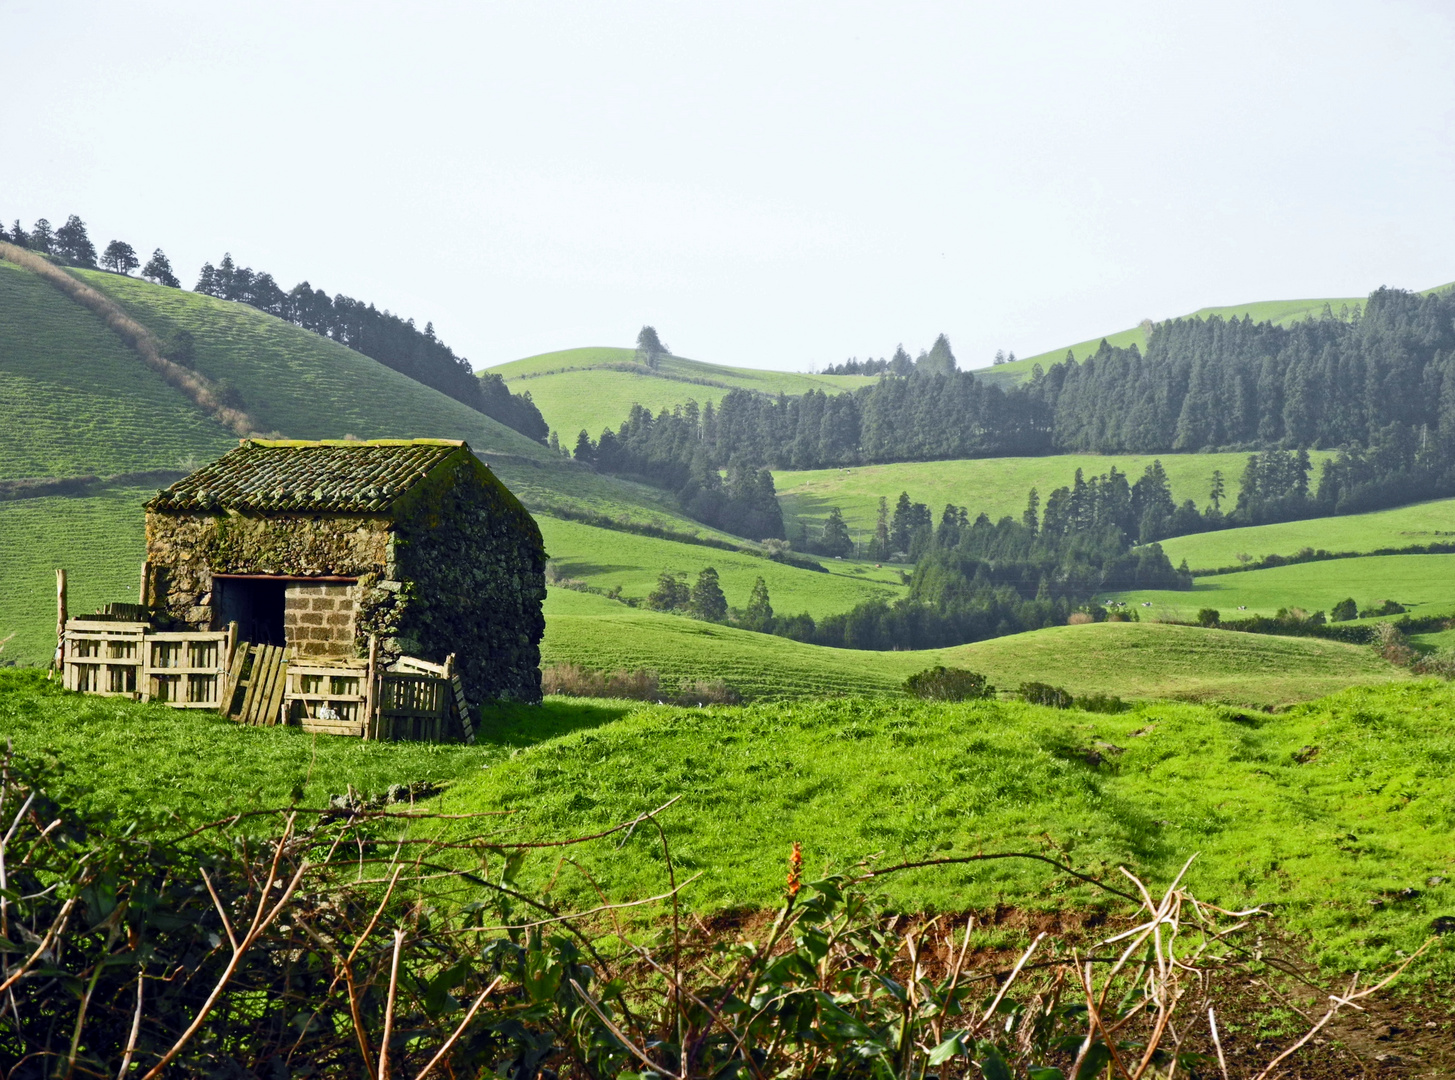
(261, 680)
(462, 711)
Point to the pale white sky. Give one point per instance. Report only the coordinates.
(769, 184)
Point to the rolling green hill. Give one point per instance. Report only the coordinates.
(1424, 523)
(594, 388)
(1130, 660)
(1278, 312)
(997, 486)
(1425, 584)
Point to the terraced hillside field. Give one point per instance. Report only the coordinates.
(996, 486)
(594, 388)
(1130, 660)
(1405, 526)
(76, 401)
(1425, 584)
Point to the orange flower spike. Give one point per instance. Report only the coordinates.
(795, 865)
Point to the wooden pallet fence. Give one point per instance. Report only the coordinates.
(331, 699)
(115, 656)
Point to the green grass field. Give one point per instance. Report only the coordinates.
(1423, 583)
(1319, 810)
(1130, 660)
(586, 389)
(1368, 814)
(99, 542)
(1424, 523)
(76, 401)
(997, 486)
(607, 559)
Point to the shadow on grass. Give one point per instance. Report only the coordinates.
(508, 724)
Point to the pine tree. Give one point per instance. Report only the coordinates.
(1030, 518)
(18, 236)
(939, 360)
(1218, 490)
(159, 269)
(585, 450)
(72, 243)
(758, 615)
(708, 602)
(901, 528)
(881, 531)
(836, 539)
(42, 239)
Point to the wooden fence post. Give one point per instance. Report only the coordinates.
(141, 592)
(60, 617)
(370, 690)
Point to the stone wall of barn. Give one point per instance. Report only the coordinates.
(473, 564)
(185, 549)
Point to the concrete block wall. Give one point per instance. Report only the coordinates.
(318, 620)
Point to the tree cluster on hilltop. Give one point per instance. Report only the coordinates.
(938, 360)
(395, 342)
(71, 243)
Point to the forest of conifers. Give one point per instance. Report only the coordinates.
(1379, 383)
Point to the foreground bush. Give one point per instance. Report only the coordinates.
(948, 684)
(336, 943)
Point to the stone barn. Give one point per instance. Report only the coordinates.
(317, 546)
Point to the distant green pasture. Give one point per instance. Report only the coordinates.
(1424, 523)
(1130, 660)
(1423, 583)
(609, 559)
(996, 486)
(582, 389)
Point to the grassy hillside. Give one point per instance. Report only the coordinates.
(631, 563)
(1131, 660)
(1318, 810)
(97, 539)
(1278, 312)
(77, 401)
(997, 486)
(594, 388)
(1423, 583)
(1424, 523)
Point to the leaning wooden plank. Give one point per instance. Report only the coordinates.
(254, 662)
(234, 677)
(462, 710)
(280, 687)
(262, 684)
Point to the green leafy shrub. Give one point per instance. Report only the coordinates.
(1344, 610)
(940, 683)
(1208, 617)
(1039, 693)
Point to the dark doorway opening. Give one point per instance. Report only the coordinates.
(255, 604)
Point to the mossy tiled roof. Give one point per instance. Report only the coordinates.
(286, 476)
